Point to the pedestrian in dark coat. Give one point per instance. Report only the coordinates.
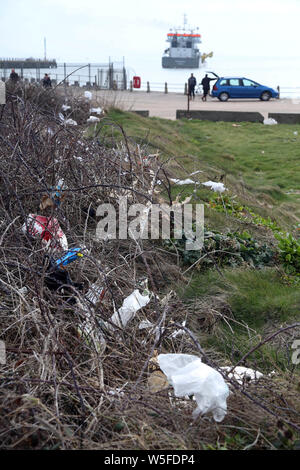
(14, 77)
(47, 81)
(206, 86)
(192, 82)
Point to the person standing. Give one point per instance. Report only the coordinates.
(47, 81)
(206, 86)
(192, 82)
(14, 77)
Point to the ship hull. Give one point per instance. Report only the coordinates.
(180, 62)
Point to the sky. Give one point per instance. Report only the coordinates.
(96, 30)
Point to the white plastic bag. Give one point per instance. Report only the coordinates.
(96, 110)
(218, 187)
(189, 376)
(88, 95)
(130, 306)
(93, 119)
(70, 122)
(270, 121)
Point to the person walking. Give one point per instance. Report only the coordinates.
(206, 86)
(192, 82)
(47, 81)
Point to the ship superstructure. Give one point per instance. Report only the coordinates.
(183, 51)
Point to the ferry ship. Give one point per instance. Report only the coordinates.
(183, 51)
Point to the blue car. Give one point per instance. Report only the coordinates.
(236, 87)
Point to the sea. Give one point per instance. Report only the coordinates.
(282, 71)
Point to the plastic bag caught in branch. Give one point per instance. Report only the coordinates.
(189, 376)
(48, 229)
(134, 302)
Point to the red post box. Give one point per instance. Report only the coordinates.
(136, 82)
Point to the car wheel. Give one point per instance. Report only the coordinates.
(265, 96)
(223, 96)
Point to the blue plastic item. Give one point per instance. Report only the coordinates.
(69, 257)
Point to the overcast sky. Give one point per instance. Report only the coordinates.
(94, 30)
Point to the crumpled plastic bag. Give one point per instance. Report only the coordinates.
(189, 376)
(70, 122)
(134, 302)
(88, 95)
(48, 229)
(270, 121)
(93, 119)
(218, 187)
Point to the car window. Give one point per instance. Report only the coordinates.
(248, 82)
(223, 82)
(234, 82)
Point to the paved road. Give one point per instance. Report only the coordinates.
(164, 105)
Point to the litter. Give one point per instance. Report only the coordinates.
(243, 374)
(95, 293)
(65, 107)
(70, 122)
(270, 121)
(189, 376)
(58, 279)
(182, 182)
(96, 110)
(88, 95)
(179, 332)
(54, 199)
(48, 229)
(69, 257)
(218, 187)
(57, 196)
(134, 302)
(93, 119)
(23, 290)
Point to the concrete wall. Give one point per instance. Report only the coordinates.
(142, 113)
(227, 116)
(285, 118)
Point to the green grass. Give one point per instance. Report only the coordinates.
(261, 163)
(256, 296)
(265, 155)
(258, 300)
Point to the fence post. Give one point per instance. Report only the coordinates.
(65, 75)
(148, 87)
(278, 89)
(166, 87)
(185, 88)
(130, 85)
